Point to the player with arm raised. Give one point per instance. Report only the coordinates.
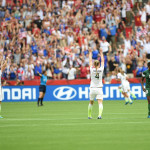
(120, 77)
(146, 75)
(42, 87)
(96, 84)
(2, 67)
(125, 86)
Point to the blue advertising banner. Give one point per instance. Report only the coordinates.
(65, 92)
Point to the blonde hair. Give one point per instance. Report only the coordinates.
(96, 63)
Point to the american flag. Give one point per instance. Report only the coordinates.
(141, 32)
(22, 34)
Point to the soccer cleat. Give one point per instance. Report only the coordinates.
(148, 116)
(1, 117)
(131, 103)
(99, 117)
(89, 117)
(126, 103)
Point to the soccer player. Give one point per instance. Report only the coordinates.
(146, 75)
(125, 86)
(96, 84)
(2, 67)
(119, 70)
(42, 88)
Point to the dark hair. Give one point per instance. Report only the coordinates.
(44, 71)
(148, 64)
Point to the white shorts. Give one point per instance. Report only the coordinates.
(96, 93)
(125, 87)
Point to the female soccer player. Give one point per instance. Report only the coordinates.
(2, 67)
(96, 84)
(146, 75)
(125, 86)
(42, 87)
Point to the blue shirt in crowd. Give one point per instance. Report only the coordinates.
(103, 33)
(139, 70)
(89, 18)
(113, 30)
(37, 69)
(34, 49)
(43, 80)
(95, 54)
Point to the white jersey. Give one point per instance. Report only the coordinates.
(123, 78)
(96, 77)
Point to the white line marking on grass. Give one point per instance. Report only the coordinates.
(49, 119)
(73, 124)
(17, 125)
(81, 114)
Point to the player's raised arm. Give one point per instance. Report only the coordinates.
(39, 74)
(142, 82)
(90, 57)
(102, 57)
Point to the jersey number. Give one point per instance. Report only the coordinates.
(97, 75)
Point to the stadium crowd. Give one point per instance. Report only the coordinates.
(39, 35)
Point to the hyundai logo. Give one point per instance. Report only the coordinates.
(65, 93)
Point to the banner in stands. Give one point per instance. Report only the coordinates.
(65, 93)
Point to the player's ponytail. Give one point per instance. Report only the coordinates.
(96, 64)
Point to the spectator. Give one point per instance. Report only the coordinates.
(57, 72)
(12, 73)
(38, 68)
(49, 70)
(139, 70)
(83, 72)
(72, 73)
(67, 63)
(105, 46)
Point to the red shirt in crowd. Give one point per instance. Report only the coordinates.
(138, 21)
(128, 30)
(77, 30)
(95, 31)
(81, 40)
(98, 17)
(83, 72)
(36, 31)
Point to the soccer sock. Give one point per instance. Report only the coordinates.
(149, 109)
(133, 95)
(130, 100)
(126, 99)
(90, 110)
(38, 101)
(41, 101)
(120, 90)
(100, 109)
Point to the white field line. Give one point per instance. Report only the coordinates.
(80, 114)
(57, 119)
(73, 124)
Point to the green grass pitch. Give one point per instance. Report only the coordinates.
(64, 126)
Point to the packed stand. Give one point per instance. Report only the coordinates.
(38, 35)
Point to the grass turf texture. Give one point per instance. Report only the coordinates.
(64, 126)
